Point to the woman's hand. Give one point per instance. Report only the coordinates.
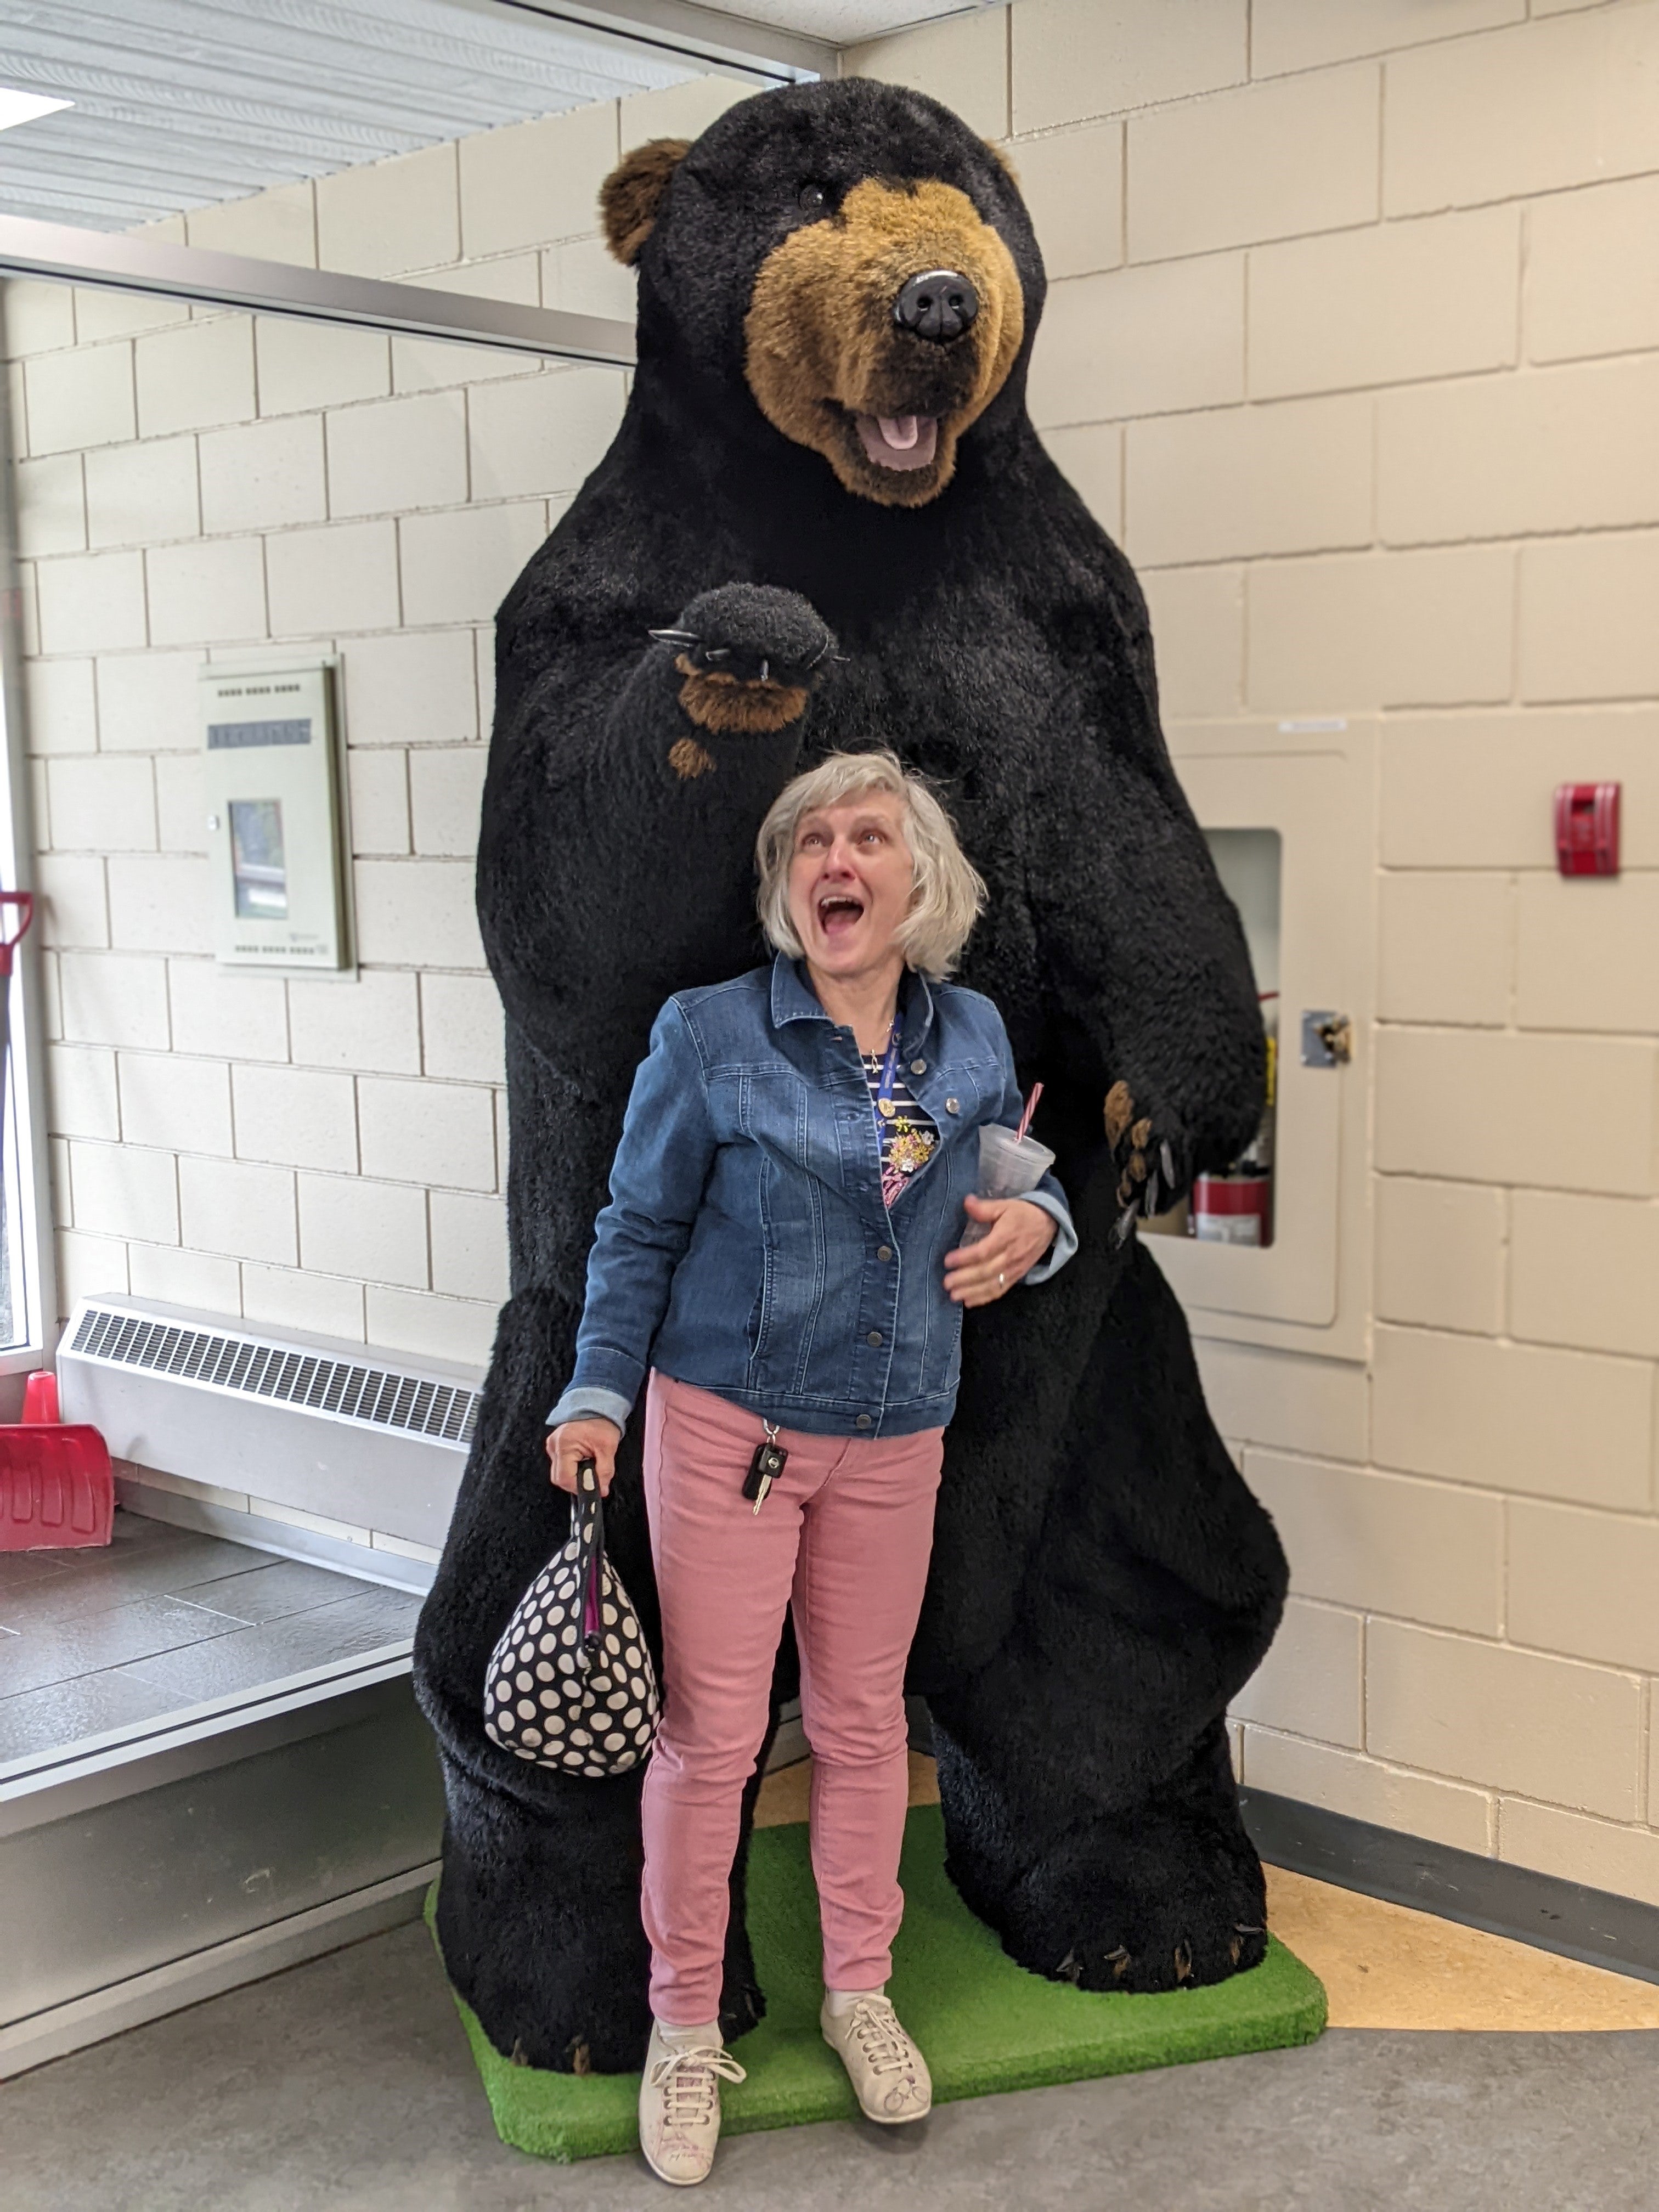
(591, 1438)
(978, 1274)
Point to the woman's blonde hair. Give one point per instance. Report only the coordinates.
(947, 894)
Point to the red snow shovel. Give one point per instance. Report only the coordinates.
(57, 1488)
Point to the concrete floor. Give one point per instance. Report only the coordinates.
(345, 2086)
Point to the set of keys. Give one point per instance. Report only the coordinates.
(765, 1468)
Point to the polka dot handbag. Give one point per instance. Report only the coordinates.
(571, 1684)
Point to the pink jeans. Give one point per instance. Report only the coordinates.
(844, 1535)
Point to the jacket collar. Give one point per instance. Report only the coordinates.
(793, 999)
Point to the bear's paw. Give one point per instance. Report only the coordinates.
(749, 656)
(1151, 1174)
(1200, 1918)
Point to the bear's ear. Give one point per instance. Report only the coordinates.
(631, 194)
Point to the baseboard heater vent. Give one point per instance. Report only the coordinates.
(340, 1389)
(362, 1438)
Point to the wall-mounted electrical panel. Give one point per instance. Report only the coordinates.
(270, 771)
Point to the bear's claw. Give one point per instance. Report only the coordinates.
(1143, 1188)
(1086, 1966)
(1193, 1933)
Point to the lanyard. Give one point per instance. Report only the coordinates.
(882, 1105)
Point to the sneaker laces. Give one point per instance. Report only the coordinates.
(687, 2078)
(883, 2042)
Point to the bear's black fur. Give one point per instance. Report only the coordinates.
(1103, 1581)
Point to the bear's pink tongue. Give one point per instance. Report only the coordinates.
(899, 441)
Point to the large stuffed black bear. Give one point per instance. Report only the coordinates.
(827, 496)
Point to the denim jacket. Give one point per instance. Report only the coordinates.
(746, 1247)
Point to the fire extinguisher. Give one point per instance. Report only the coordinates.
(1237, 1207)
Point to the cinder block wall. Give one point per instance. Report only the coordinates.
(194, 487)
(1353, 343)
(197, 486)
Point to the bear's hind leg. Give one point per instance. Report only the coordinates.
(1092, 1816)
(538, 1921)
(1146, 1896)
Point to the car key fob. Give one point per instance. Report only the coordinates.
(765, 1468)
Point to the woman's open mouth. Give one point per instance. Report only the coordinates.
(839, 912)
(899, 441)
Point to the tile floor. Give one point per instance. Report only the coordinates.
(164, 1619)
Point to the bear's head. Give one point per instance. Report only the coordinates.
(849, 258)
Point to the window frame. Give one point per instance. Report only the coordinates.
(34, 1284)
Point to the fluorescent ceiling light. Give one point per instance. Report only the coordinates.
(24, 106)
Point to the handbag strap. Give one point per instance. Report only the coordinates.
(588, 1510)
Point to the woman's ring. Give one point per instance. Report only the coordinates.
(1002, 1280)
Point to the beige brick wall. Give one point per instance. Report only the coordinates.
(1353, 339)
(195, 486)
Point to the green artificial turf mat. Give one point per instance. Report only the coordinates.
(983, 2023)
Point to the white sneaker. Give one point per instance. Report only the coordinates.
(680, 2101)
(889, 2075)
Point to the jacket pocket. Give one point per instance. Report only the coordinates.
(784, 1319)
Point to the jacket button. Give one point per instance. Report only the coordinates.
(883, 1251)
(953, 1105)
(874, 1337)
(918, 1067)
(864, 1422)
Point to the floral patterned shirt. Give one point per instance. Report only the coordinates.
(909, 1136)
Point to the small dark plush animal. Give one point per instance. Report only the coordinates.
(826, 521)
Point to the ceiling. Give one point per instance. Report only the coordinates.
(845, 22)
(185, 103)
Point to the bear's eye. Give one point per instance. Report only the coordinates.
(812, 199)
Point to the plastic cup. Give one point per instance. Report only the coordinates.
(1009, 1166)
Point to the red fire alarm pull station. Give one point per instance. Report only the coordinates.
(1587, 829)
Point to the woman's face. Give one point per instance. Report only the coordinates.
(850, 879)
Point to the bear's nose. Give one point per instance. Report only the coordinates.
(938, 304)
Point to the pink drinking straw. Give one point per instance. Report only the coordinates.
(1025, 1118)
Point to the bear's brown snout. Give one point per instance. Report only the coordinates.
(877, 335)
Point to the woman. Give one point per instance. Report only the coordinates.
(781, 1244)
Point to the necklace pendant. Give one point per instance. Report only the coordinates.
(888, 1108)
